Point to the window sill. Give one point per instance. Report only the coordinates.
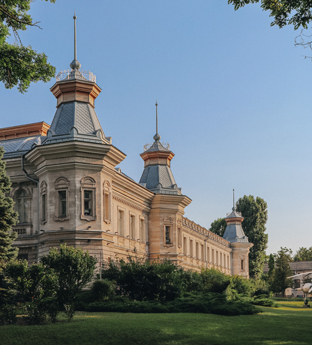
(88, 218)
(61, 219)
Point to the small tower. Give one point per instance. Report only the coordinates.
(157, 175)
(234, 233)
(167, 207)
(75, 117)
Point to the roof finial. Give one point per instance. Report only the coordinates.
(156, 136)
(233, 200)
(75, 64)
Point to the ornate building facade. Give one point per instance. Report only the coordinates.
(67, 189)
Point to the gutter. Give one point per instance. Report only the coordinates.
(37, 183)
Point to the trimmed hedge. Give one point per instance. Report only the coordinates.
(210, 303)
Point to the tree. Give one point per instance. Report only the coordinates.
(254, 211)
(282, 271)
(218, 226)
(271, 273)
(20, 65)
(255, 216)
(74, 269)
(303, 254)
(8, 216)
(285, 12)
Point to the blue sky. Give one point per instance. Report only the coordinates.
(234, 98)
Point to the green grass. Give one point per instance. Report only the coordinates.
(290, 324)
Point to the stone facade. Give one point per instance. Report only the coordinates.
(68, 189)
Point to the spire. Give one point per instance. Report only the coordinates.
(156, 137)
(75, 64)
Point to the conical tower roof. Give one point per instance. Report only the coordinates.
(157, 175)
(234, 231)
(75, 117)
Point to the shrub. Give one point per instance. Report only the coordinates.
(74, 270)
(214, 280)
(103, 289)
(8, 314)
(143, 280)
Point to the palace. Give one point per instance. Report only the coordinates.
(68, 189)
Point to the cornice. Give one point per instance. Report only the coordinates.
(172, 199)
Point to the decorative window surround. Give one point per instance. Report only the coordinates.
(88, 205)
(61, 200)
(168, 233)
(132, 224)
(142, 229)
(22, 198)
(43, 192)
(107, 202)
(121, 221)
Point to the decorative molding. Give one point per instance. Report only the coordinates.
(201, 230)
(128, 203)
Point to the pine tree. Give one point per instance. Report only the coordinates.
(8, 216)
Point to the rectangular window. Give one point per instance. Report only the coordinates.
(208, 254)
(43, 207)
(224, 262)
(132, 227)
(62, 203)
(106, 205)
(217, 258)
(212, 257)
(202, 253)
(228, 262)
(191, 248)
(168, 234)
(142, 230)
(87, 203)
(179, 237)
(184, 246)
(120, 222)
(197, 254)
(242, 264)
(221, 259)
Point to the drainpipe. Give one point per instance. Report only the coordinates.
(37, 183)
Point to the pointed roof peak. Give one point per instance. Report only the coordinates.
(75, 64)
(156, 137)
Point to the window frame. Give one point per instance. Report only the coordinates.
(121, 229)
(107, 202)
(132, 225)
(43, 208)
(88, 184)
(61, 185)
(26, 198)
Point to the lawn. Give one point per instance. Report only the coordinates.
(288, 324)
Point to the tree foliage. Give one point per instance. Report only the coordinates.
(20, 65)
(285, 12)
(282, 270)
(303, 254)
(218, 226)
(74, 269)
(254, 211)
(8, 216)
